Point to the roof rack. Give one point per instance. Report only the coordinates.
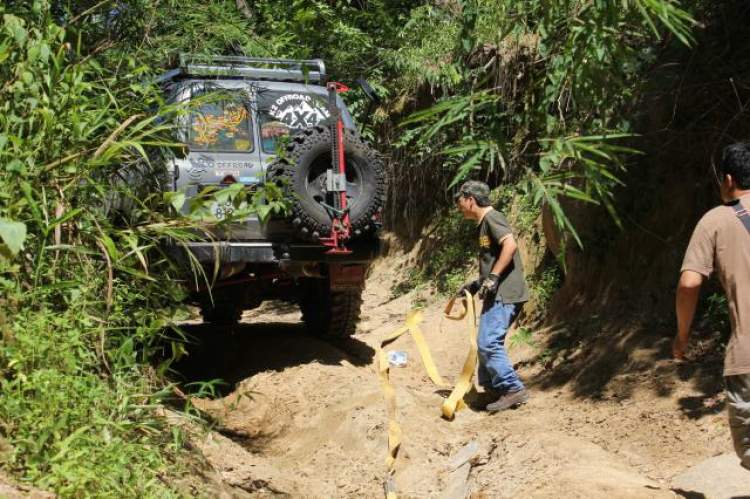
(256, 68)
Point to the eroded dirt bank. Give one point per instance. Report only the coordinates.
(610, 418)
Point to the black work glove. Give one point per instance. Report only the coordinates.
(472, 287)
(489, 286)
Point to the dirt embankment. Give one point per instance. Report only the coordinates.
(304, 418)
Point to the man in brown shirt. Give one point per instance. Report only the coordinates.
(721, 243)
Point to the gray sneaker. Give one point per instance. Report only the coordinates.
(509, 400)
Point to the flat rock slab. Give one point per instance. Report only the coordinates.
(719, 477)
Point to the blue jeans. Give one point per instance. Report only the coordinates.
(495, 369)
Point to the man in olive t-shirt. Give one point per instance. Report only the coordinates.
(721, 244)
(502, 287)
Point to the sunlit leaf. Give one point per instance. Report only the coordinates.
(13, 234)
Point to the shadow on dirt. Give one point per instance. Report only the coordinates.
(697, 407)
(699, 495)
(689, 494)
(598, 362)
(233, 353)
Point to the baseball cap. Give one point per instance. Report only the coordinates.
(475, 189)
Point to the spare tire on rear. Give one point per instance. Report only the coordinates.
(304, 165)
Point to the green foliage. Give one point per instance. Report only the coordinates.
(523, 336)
(264, 200)
(716, 313)
(88, 294)
(13, 235)
(85, 303)
(541, 93)
(71, 431)
(430, 30)
(519, 205)
(448, 255)
(544, 284)
(412, 280)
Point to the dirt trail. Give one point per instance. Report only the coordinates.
(303, 418)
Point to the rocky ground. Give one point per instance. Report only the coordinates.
(300, 417)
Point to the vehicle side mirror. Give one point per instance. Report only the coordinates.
(372, 96)
(370, 92)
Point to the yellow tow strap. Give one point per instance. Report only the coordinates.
(453, 403)
(455, 400)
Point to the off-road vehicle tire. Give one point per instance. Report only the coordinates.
(124, 186)
(222, 315)
(304, 166)
(327, 313)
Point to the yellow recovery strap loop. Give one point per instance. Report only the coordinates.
(455, 400)
(453, 403)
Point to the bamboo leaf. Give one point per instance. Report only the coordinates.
(64, 218)
(13, 234)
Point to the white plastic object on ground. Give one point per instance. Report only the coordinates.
(397, 358)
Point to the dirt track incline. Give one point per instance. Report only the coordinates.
(304, 418)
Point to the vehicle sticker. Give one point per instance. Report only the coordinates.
(233, 164)
(209, 126)
(299, 110)
(249, 180)
(203, 161)
(224, 173)
(196, 173)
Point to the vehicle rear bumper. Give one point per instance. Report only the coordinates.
(269, 252)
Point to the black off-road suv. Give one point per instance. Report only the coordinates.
(317, 255)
